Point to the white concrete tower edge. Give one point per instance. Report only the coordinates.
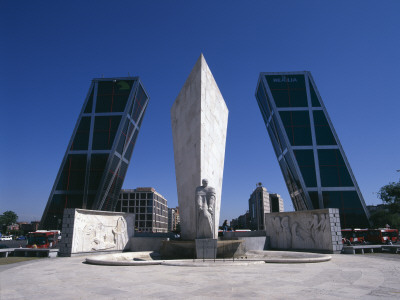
(214, 123)
(185, 119)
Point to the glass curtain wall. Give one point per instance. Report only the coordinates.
(312, 160)
(97, 158)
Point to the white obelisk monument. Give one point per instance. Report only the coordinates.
(199, 119)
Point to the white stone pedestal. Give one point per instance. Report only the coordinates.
(206, 248)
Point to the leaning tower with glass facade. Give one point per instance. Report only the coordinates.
(312, 160)
(97, 158)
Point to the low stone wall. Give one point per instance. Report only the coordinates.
(252, 240)
(92, 231)
(146, 243)
(317, 230)
(231, 234)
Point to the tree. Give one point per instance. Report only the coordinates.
(390, 195)
(7, 218)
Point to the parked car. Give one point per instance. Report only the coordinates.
(21, 238)
(6, 238)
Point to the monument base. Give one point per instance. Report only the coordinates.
(174, 249)
(206, 248)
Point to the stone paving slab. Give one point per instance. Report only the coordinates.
(371, 276)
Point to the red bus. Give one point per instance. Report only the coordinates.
(355, 236)
(43, 239)
(383, 235)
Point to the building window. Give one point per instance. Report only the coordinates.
(297, 126)
(288, 91)
(333, 169)
(323, 132)
(305, 160)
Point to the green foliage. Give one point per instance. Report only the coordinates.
(390, 195)
(16, 232)
(380, 218)
(7, 218)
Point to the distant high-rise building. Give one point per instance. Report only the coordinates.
(97, 158)
(244, 221)
(173, 218)
(150, 207)
(260, 203)
(25, 227)
(310, 155)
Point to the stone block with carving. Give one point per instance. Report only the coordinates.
(86, 231)
(312, 230)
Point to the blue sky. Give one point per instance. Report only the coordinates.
(50, 51)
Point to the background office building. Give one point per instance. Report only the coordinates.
(173, 218)
(260, 203)
(308, 149)
(241, 222)
(150, 207)
(97, 158)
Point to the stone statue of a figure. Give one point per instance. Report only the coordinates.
(205, 210)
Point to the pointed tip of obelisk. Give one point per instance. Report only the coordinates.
(198, 68)
(202, 60)
(202, 65)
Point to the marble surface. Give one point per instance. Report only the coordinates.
(95, 231)
(199, 118)
(206, 248)
(313, 229)
(205, 211)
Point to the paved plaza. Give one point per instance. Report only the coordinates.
(369, 276)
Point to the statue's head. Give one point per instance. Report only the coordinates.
(204, 182)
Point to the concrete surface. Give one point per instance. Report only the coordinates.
(287, 257)
(211, 263)
(206, 248)
(361, 249)
(253, 242)
(147, 243)
(392, 248)
(126, 259)
(369, 276)
(199, 118)
(187, 249)
(154, 258)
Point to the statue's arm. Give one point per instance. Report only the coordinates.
(198, 199)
